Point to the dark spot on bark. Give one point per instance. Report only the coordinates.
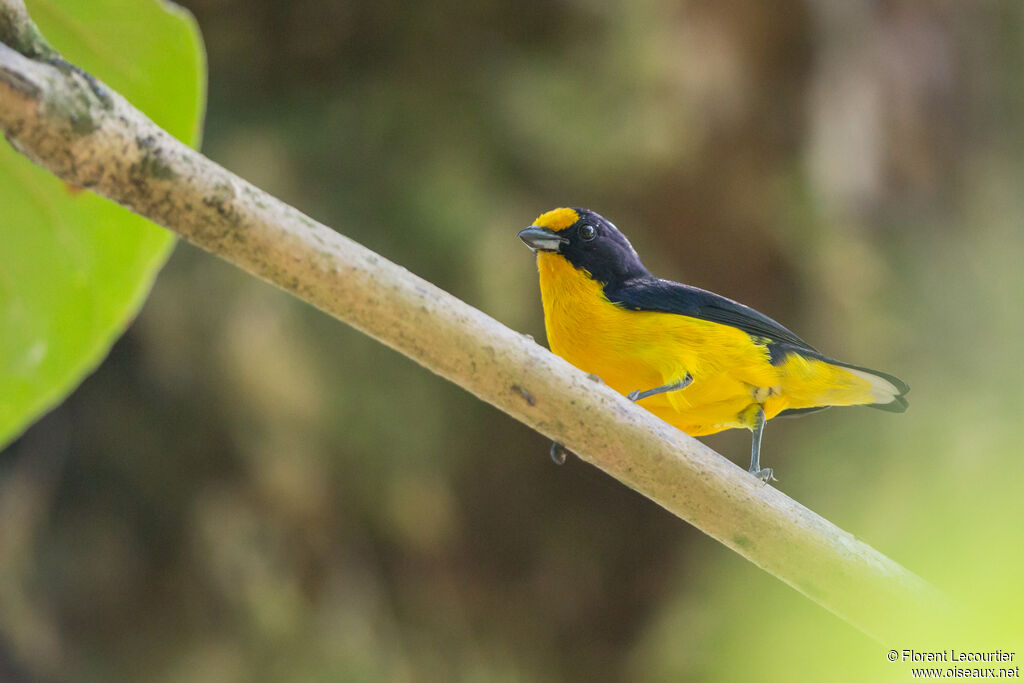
(82, 122)
(527, 396)
(153, 166)
(221, 202)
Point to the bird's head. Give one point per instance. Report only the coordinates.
(587, 241)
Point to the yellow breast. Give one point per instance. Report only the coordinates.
(640, 350)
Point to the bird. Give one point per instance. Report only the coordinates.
(697, 360)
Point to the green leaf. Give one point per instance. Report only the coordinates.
(75, 268)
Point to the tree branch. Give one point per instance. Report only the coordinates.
(19, 31)
(90, 136)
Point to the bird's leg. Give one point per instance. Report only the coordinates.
(764, 474)
(559, 453)
(676, 386)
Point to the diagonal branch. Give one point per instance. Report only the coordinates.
(70, 124)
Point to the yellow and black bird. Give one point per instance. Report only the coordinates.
(697, 360)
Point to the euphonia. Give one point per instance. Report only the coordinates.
(697, 360)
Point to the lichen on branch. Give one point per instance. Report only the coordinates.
(18, 31)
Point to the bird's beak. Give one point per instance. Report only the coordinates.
(541, 239)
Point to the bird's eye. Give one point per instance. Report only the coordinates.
(588, 232)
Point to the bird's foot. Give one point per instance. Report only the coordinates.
(559, 453)
(635, 396)
(765, 474)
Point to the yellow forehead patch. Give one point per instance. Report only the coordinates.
(557, 219)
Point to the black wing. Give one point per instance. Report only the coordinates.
(665, 296)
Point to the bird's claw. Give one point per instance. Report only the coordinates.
(634, 395)
(765, 474)
(559, 453)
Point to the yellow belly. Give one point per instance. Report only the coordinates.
(640, 350)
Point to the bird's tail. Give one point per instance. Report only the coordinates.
(888, 392)
(812, 381)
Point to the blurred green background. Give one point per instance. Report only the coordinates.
(247, 490)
